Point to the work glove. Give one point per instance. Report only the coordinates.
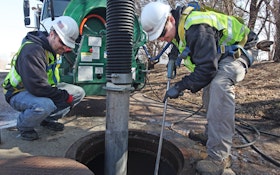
(70, 100)
(65, 103)
(173, 92)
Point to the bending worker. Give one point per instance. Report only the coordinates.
(32, 86)
(207, 43)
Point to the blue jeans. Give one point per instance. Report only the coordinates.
(33, 110)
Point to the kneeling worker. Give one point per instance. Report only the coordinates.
(32, 86)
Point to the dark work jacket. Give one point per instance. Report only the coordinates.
(202, 40)
(31, 65)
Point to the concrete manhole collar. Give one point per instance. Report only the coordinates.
(142, 151)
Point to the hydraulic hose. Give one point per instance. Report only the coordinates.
(161, 132)
(159, 55)
(249, 142)
(258, 151)
(170, 75)
(81, 28)
(244, 125)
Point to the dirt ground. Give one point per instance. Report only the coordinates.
(257, 107)
(257, 114)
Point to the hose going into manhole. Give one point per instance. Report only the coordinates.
(161, 132)
(170, 68)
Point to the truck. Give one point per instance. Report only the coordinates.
(85, 65)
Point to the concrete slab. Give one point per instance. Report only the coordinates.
(89, 117)
(145, 114)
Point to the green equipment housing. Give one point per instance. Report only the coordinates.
(85, 66)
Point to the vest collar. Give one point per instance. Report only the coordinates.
(176, 14)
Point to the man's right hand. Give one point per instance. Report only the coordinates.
(70, 100)
(173, 92)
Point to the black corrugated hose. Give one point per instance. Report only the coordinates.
(120, 25)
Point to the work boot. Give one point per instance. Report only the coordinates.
(209, 166)
(200, 137)
(29, 135)
(53, 125)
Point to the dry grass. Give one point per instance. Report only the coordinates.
(257, 96)
(257, 104)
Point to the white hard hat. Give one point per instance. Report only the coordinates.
(67, 30)
(153, 18)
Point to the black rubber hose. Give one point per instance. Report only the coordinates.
(244, 124)
(273, 161)
(249, 142)
(120, 28)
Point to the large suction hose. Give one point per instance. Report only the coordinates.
(120, 28)
(120, 24)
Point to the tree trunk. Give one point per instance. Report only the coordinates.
(276, 57)
(253, 15)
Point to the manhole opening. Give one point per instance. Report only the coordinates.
(142, 151)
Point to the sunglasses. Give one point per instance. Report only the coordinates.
(59, 40)
(164, 30)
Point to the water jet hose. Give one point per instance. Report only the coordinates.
(170, 68)
(242, 124)
(159, 55)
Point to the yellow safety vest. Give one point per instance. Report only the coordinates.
(233, 30)
(14, 79)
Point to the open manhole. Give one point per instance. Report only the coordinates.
(142, 152)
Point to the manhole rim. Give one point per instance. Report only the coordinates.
(99, 136)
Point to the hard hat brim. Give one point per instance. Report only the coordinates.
(153, 18)
(156, 34)
(68, 43)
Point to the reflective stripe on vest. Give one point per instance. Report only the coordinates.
(13, 77)
(233, 31)
(15, 80)
(52, 69)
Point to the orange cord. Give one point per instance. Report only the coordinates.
(88, 17)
